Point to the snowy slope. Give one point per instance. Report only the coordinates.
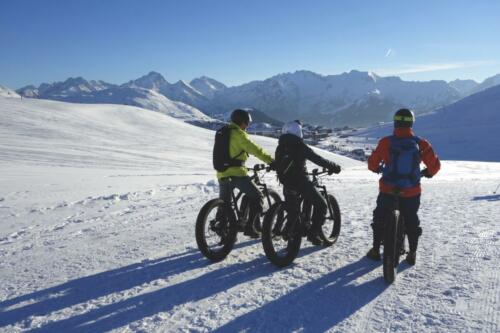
(6, 92)
(42, 131)
(97, 211)
(466, 130)
(147, 99)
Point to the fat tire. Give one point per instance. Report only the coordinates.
(390, 247)
(275, 197)
(329, 240)
(293, 243)
(201, 221)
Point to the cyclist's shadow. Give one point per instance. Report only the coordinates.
(315, 306)
(80, 290)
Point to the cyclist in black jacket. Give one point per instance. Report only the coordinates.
(290, 163)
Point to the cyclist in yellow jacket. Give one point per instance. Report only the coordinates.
(240, 147)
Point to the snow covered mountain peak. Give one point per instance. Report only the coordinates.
(207, 86)
(153, 80)
(73, 86)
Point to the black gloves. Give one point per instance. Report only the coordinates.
(272, 166)
(426, 173)
(334, 168)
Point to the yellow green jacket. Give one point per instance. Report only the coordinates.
(240, 146)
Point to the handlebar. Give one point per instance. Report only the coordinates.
(259, 167)
(317, 172)
(423, 172)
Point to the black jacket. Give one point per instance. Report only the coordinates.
(300, 152)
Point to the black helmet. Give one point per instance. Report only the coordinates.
(240, 116)
(404, 118)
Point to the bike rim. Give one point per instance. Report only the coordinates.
(280, 232)
(216, 229)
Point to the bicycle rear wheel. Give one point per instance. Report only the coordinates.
(215, 230)
(280, 236)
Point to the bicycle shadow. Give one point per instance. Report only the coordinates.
(127, 310)
(91, 287)
(495, 197)
(316, 306)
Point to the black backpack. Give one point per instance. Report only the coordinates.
(285, 161)
(221, 159)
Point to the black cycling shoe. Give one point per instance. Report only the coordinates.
(314, 238)
(250, 232)
(411, 258)
(374, 254)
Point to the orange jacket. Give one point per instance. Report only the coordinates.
(382, 154)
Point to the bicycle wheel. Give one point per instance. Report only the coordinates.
(331, 228)
(400, 243)
(274, 197)
(280, 237)
(390, 247)
(215, 230)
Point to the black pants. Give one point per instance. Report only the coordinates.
(408, 208)
(248, 187)
(310, 193)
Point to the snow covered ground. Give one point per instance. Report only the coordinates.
(97, 211)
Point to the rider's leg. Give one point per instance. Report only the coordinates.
(384, 206)
(311, 193)
(409, 209)
(225, 188)
(292, 204)
(255, 198)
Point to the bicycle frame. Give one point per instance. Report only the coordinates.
(315, 174)
(396, 207)
(256, 178)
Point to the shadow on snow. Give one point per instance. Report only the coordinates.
(91, 287)
(317, 305)
(487, 197)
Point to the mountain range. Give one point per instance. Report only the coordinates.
(355, 98)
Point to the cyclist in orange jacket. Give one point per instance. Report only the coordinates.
(398, 158)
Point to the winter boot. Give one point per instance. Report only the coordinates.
(411, 257)
(250, 228)
(374, 254)
(413, 236)
(313, 235)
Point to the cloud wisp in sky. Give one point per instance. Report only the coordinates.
(389, 53)
(432, 67)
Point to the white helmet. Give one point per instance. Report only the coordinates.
(293, 127)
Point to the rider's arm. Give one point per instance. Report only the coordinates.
(253, 149)
(429, 157)
(378, 155)
(310, 155)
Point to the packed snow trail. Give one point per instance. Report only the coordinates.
(107, 242)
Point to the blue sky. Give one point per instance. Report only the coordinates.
(239, 41)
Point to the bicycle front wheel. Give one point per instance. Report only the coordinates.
(280, 236)
(331, 228)
(391, 255)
